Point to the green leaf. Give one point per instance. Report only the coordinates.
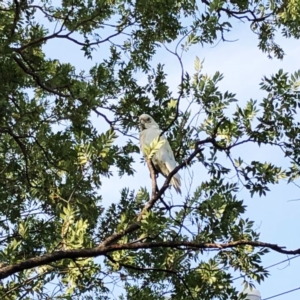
(155, 145)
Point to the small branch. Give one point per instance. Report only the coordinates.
(26, 282)
(22, 148)
(241, 14)
(98, 113)
(236, 169)
(112, 124)
(168, 271)
(139, 268)
(39, 40)
(153, 178)
(181, 88)
(48, 158)
(67, 35)
(46, 14)
(38, 79)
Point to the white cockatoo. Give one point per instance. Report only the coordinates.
(163, 160)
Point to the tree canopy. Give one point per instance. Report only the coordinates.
(57, 238)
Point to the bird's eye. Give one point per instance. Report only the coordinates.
(148, 119)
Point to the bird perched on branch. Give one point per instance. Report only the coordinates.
(158, 149)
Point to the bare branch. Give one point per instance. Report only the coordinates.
(181, 87)
(112, 124)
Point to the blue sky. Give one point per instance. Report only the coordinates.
(243, 65)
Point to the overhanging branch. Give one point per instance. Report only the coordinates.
(98, 251)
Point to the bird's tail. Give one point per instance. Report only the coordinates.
(176, 182)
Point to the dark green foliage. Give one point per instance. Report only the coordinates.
(53, 160)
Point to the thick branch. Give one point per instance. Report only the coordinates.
(16, 17)
(98, 251)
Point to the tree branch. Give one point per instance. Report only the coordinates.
(67, 35)
(136, 268)
(241, 14)
(16, 17)
(181, 86)
(98, 251)
(149, 205)
(38, 79)
(22, 148)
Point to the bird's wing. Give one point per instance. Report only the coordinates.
(166, 156)
(167, 163)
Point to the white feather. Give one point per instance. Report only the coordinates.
(163, 160)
